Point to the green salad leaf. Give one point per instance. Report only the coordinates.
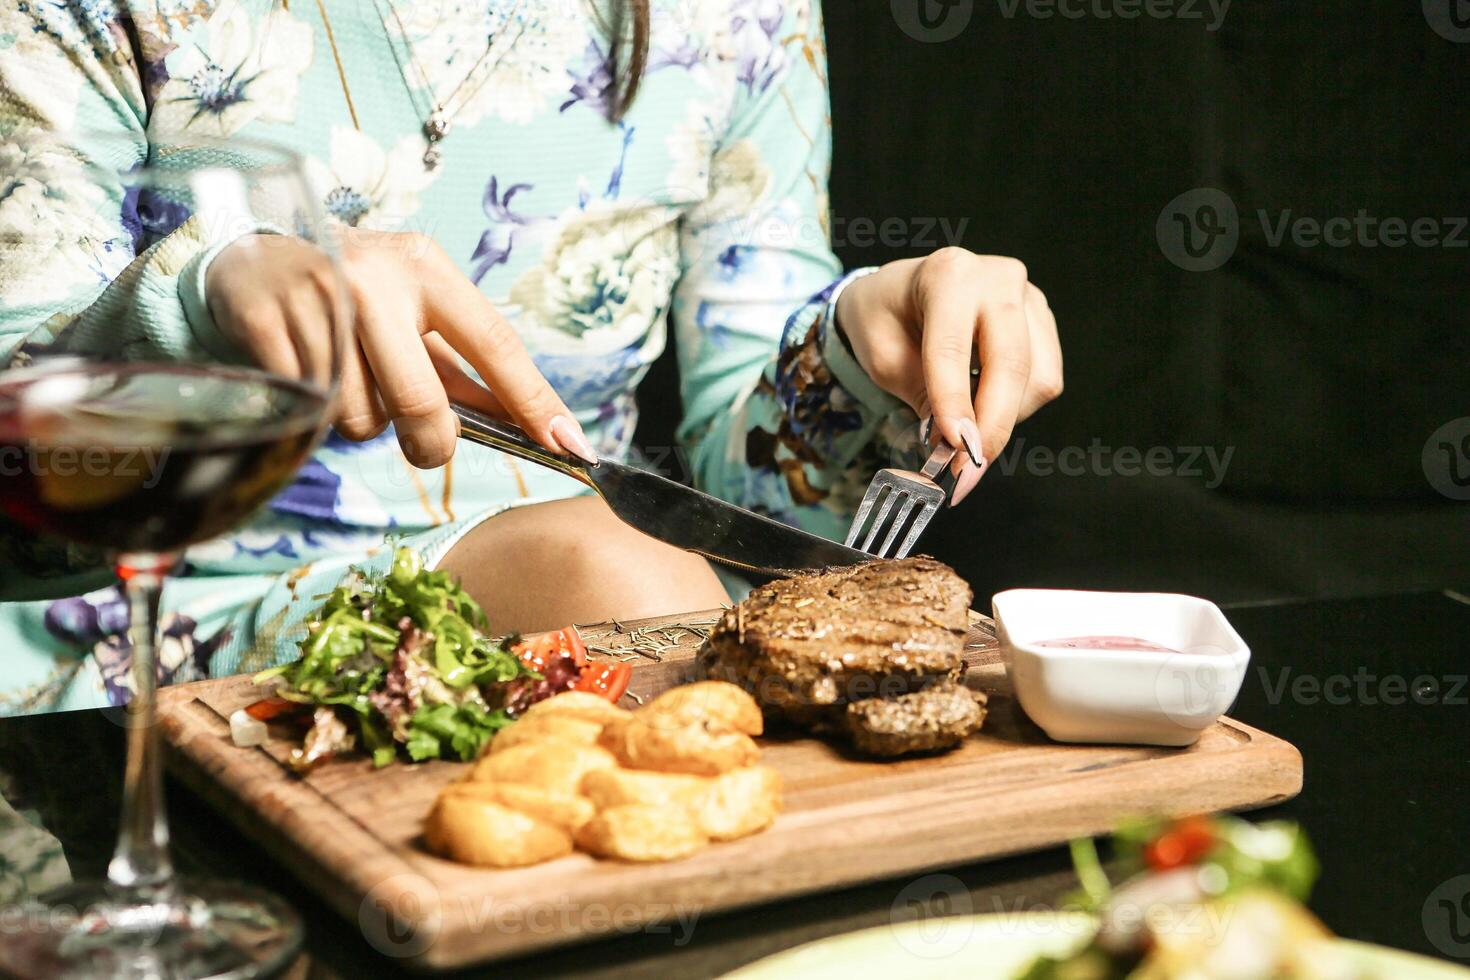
(406, 659)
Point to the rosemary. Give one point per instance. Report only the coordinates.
(649, 642)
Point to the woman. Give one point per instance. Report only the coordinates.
(579, 194)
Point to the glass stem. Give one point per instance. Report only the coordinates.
(141, 859)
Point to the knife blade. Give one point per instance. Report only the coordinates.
(672, 512)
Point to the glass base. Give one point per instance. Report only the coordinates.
(188, 928)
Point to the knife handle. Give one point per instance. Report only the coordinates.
(481, 428)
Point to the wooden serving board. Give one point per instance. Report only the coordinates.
(353, 833)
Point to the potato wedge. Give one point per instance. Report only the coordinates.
(620, 787)
(553, 765)
(580, 704)
(638, 832)
(738, 803)
(700, 748)
(559, 809)
(718, 700)
(489, 835)
(566, 728)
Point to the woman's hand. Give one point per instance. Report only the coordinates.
(415, 312)
(915, 326)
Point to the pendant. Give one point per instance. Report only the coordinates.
(436, 128)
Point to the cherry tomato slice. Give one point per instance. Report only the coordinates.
(607, 680)
(1184, 843)
(267, 708)
(540, 649)
(537, 651)
(571, 642)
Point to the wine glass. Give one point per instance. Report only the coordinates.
(140, 456)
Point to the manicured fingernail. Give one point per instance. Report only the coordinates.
(971, 434)
(569, 435)
(926, 425)
(966, 482)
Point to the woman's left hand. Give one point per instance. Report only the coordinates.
(916, 325)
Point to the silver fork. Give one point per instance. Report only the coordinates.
(907, 490)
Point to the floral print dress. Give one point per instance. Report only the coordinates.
(704, 212)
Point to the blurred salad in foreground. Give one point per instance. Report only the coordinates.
(403, 664)
(1204, 898)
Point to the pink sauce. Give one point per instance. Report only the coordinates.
(1130, 643)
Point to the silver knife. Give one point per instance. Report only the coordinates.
(671, 512)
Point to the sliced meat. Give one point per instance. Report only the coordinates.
(806, 647)
(938, 717)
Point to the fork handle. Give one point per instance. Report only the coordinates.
(938, 460)
(480, 428)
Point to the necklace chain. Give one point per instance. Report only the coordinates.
(439, 120)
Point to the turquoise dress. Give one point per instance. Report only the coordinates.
(704, 212)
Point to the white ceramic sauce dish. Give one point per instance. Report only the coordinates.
(1122, 696)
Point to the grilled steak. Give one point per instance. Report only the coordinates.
(938, 717)
(808, 646)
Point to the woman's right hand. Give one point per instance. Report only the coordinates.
(415, 315)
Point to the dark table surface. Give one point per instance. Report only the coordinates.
(1373, 691)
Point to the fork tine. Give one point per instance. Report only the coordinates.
(893, 494)
(921, 521)
(875, 490)
(898, 522)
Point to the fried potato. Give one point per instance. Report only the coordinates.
(566, 728)
(581, 704)
(553, 765)
(619, 787)
(738, 803)
(480, 832)
(718, 700)
(559, 809)
(638, 832)
(700, 748)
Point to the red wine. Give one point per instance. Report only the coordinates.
(148, 457)
(1131, 644)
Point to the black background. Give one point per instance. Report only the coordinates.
(1325, 369)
